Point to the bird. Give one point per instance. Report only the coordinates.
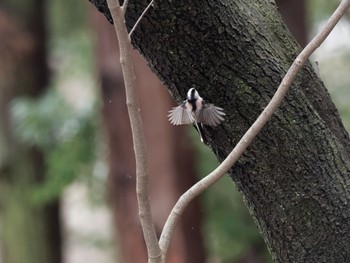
(196, 110)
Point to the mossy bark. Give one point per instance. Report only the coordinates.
(295, 176)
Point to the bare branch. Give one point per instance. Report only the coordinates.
(252, 132)
(154, 253)
(141, 16)
(125, 6)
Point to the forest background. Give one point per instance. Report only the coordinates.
(60, 134)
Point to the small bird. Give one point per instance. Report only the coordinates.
(195, 110)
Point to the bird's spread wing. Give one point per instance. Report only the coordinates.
(180, 115)
(210, 115)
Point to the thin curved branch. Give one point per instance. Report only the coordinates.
(252, 132)
(141, 16)
(142, 189)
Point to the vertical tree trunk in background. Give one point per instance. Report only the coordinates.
(30, 233)
(294, 15)
(171, 163)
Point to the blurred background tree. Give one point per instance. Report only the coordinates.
(30, 232)
(43, 140)
(55, 64)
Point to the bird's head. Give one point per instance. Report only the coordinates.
(192, 94)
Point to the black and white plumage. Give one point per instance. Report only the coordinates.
(195, 110)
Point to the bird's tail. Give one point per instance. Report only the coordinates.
(200, 130)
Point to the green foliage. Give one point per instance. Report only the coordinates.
(62, 123)
(320, 9)
(66, 138)
(65, 21)
(41, 122)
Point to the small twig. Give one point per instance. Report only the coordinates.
(252, 132)
(142, 189)
(125, 6)
(141, 16)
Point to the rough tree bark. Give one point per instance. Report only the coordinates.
(295, 177)
(170, 173)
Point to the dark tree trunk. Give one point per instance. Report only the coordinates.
(31, 232)
(295, 176)
(171, 164)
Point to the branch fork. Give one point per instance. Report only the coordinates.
(157, 251)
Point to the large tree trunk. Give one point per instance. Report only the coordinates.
(170, 173)
(30, 232)
(295, 176)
